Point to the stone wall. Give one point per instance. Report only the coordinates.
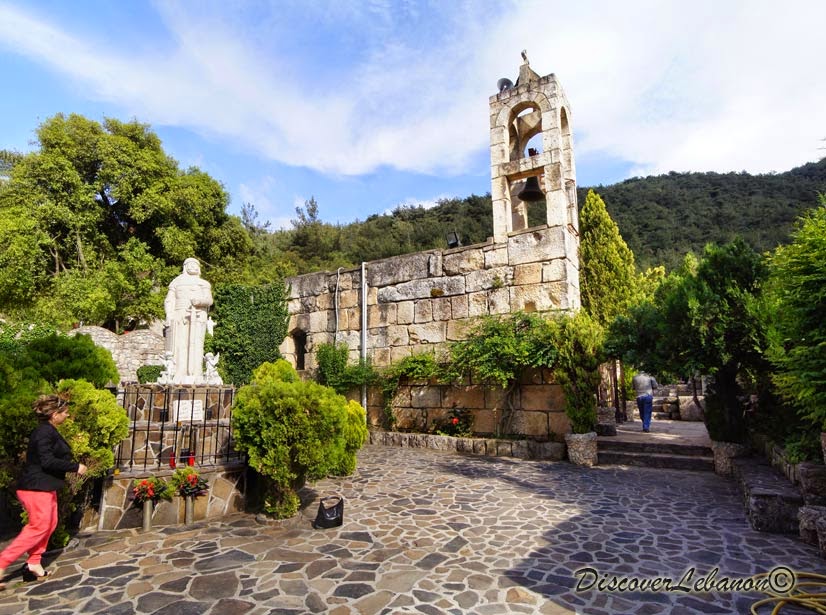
(130, 350)
(420, 302)
(489, 447)
(420, 406)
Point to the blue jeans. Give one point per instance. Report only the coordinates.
(645, 404)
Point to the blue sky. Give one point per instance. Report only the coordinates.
(371, 104)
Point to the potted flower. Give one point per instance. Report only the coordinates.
(188, 484)
(146, 492)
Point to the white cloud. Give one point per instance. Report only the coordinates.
(665, 86)
(412, 202)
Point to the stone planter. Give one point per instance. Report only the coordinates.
(724, 452)
(582, 448)
(820, 524)
(809, 516)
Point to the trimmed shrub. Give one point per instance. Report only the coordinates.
(56, 357)
(32, 364)
(147, 374)
(293, 431)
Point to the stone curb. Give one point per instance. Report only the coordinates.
(490, 447)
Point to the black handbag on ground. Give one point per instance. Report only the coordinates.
(330, 512)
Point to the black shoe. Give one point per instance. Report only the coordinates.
(645, 430)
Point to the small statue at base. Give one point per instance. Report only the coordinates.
(168, 372)
(211, 374)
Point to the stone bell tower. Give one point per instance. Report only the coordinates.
(532, 155)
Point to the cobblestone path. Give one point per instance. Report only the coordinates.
(429, 533)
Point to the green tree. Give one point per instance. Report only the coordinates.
(798, 290)
(315, 245)
(57, 357)
(101, 206)
(608, 278)
(8, 159)
(578, 347)
(705, 319)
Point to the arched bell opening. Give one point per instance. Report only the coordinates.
(524, 126)
(528, 205)
(568, 169)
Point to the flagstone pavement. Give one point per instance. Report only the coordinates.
(428, 532)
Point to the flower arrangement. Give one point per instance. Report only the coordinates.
(186, 481)
(152, 488)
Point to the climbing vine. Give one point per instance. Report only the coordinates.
(251, 323)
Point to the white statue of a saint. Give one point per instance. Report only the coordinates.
(211, 374)
(186, 306)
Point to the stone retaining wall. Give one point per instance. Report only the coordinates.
(129, 350)
(225, 496)
(524, 449)
(420, 302)
(419, 406)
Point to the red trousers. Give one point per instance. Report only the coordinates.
(41, 507)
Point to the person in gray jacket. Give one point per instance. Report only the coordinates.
(644, 387)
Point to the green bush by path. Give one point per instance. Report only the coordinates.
(293, 431)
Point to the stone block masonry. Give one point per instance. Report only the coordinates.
(422, 407)
(224, 497)
(129, 350)
(420, 302)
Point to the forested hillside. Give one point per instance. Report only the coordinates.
(660, 217)
(663, 217)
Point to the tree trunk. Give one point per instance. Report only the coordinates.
(80, 256)
(507, 414)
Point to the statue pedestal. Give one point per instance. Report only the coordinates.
(171, 423)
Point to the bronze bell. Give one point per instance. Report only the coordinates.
(531, 192)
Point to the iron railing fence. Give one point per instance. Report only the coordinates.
(176, 426)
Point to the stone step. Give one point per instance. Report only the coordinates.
(771, 501)
(656, 460)
(652, 447)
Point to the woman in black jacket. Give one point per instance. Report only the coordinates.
(48, 459)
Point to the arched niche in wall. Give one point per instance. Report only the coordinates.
(300, 341)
